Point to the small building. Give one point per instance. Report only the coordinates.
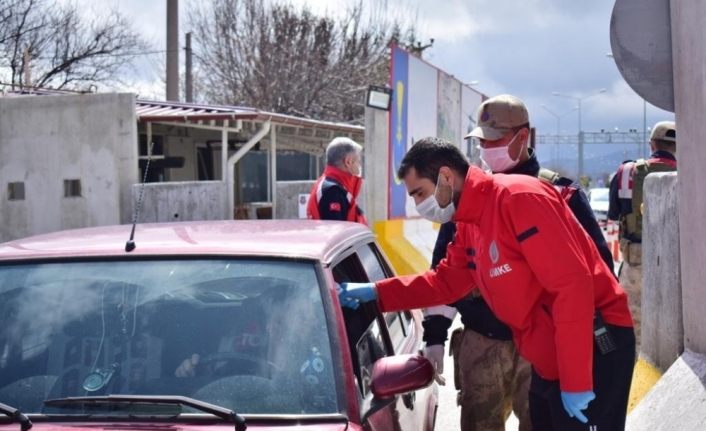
(75, 160)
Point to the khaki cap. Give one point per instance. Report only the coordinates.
(664, 131)
(499, 115)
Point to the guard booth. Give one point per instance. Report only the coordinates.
(211, 162)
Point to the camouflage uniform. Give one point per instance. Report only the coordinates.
(493, 380)
(626, 201)
(631, 280)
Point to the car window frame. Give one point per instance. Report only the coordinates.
(401, 318)
(380, 318)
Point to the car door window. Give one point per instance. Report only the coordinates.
(377, 269)
(368, 331)
(371, 263)
(363, 352)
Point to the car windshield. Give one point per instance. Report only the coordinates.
(245, 334)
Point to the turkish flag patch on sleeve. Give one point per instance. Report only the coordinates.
(334, 206)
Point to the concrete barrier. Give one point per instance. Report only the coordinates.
(678, 400)
(181, 201)
(662, 319)
(662, 315)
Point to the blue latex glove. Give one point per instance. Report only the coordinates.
(574, 402)
(352, 294)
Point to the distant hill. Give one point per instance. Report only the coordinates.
(600, 160)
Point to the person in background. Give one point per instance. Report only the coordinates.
(334, 195)
(625, 206)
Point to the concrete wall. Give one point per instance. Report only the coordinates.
(662, 324)
(375, 165)
(181, 201)
(288, 197)
(678, 400)
(45, 140)
(178, 146)
(689, 61)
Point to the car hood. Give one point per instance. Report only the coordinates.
(147, 426)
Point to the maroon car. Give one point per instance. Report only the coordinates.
(205, 325)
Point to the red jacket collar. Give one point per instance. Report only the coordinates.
(474, 196)
(350, 182)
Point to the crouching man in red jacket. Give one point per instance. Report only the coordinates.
(519, 244)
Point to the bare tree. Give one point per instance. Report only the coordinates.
(276, 57)
(63, 50)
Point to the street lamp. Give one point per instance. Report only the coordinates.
(558, 116)
(558, 127)
(578, 100)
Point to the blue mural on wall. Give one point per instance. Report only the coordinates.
(398, 131)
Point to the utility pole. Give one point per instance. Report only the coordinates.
(27, 70)
(173, 50)
(189, 83)
(644, 127)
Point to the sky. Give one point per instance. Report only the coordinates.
(528, 48)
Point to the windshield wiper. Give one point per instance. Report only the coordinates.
(213, 409)
(16, 416)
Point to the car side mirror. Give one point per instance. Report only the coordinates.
(394, 375)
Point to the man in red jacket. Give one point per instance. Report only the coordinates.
(568, 314)
(335, 194)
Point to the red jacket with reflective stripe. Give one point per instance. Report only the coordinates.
(351, 184)
(536, 267)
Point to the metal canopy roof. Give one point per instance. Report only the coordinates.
(161, 111)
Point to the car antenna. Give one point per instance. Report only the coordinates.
(130, 244)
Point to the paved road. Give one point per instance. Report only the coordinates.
(448, 416)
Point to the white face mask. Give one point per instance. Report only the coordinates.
(430, 209)
(357, 168)
(498, 159)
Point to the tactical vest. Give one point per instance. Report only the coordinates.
(553, 178)
(631, 224)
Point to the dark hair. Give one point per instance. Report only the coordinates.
(428, 155)
(661, 144)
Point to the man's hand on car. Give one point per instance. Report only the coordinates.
(435, 355)
(351, 295)
(188, 366)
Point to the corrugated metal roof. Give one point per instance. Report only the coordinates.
(156, 111)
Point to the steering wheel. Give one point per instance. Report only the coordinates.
(230, 358)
